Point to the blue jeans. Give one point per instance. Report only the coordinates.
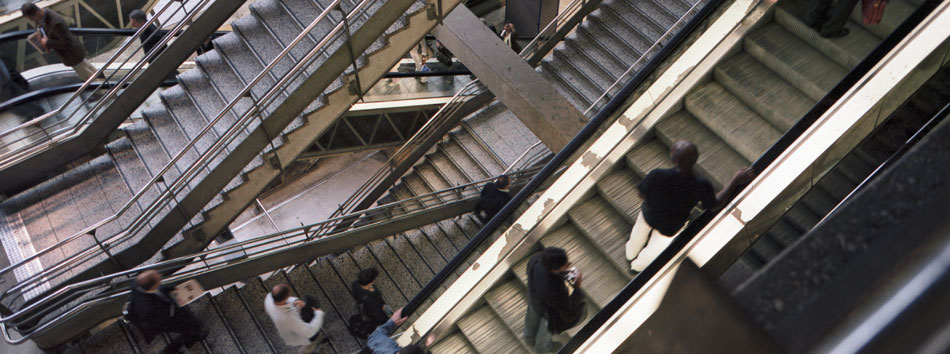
(536, 331)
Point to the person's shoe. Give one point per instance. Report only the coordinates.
(835, 34)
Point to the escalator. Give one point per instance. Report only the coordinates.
(207, 143)
(780, 60)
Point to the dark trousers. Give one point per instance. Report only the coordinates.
(190, 332)
(829, 19)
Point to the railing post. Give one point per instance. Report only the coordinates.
(349, 47)
(105, 250)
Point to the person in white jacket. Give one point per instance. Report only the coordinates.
(285, 311)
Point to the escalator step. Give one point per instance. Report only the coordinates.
(619, 188)
(717, 160)
(795, 60)
(847, 51)
(488, 334)
(454, 343)
(603, 225)
(737, 125)
(509, 300)
(897, 11)
(649, 156)
(763, 90)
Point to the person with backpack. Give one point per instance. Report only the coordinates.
(152, 309)
(296, 326)
(371, 309)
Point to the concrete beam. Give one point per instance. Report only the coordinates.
(529, 96)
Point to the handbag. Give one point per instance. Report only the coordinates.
(873, 11)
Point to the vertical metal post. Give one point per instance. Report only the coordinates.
(105, 250)
(349, 47)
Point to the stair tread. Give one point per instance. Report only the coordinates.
(763, 90)
(218, 336)
(731, 120)
(793, 59)
(604, 226)
(619, 187)
(249, 336)
(108, 340)
(487, 334)
(717, 160)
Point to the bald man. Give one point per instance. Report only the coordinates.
(153, 311)
(669, 196)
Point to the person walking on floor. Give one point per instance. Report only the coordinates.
(669, 196)
(553, 307)
(153, 311)
(494, 197)
(55, 36)
(380, 341)
(298, 321)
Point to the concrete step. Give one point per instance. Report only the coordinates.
(334, 324)
(221, 338)
(763, 90)
(731, 120)
(241, 60)
(794, 60)
(619, 188)
(454, 174)
(463, 159)
(488, 334)
(109, 340)
(491, 164)
(602, 281)
(263, 45)
(583, 86)
(602, 24)
(432, 175)
(172, 139)
(605, 227)
(650, 18)
(596, 53)
(717, 161)
(245, 327)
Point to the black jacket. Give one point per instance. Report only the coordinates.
(491, 201)
(150, 37)
(154, 313)
(372, 302)
(549, 295)
(59, 40)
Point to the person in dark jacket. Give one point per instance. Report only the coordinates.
(55, 36)
(494, 197)
(12, 85)
(369, 297)
(552, 307)
(150, 36)
(153, 311)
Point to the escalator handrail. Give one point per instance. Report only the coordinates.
(23, 152)
(87, 31)
(562, 156)
(697, 225)
(56, 90)
(201, 263)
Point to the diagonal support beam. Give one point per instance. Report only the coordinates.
(526, 93)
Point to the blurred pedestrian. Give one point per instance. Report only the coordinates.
(290, 316)
(150, 36)
(153, 311)
(494, 197)
(55, 36)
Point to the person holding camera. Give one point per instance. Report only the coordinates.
(555, 303)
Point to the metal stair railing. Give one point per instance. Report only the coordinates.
(532, 53)
(59, 130)
(117, 285)
(102, 246)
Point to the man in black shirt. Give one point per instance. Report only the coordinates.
(494, 197)
(669, 196)
(153, 311)
(552, 307)
(150, 36)
(369, 298)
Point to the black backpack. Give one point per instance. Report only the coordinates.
(360, 324)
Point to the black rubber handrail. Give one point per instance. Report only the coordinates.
(694, 227)
(123, 32)
(572, 146)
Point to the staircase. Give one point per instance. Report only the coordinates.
(99, 187)
(753, 96)
(235, 316)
